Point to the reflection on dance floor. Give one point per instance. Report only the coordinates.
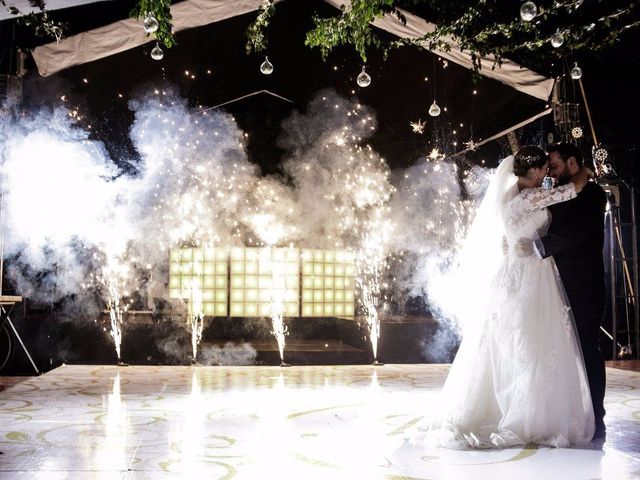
(107, 422)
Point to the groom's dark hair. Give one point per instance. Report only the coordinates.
(566, 151)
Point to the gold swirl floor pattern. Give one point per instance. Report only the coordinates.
(107, 422)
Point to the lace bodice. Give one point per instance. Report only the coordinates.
(526, 214)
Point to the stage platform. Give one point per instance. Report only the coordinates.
(310, 422)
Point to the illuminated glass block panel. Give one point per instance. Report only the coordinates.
(199, 276)
(264, 279)
(251, 282)
(327, 283)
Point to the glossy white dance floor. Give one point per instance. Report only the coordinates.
(347, 422)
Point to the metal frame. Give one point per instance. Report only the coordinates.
(623, 274)
(9, 302)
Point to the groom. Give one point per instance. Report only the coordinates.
(575, 240)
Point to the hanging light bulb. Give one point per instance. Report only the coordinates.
(157, 53)
(363, 80)
(266, 67)
(434, 109)
(576, 72)
(150, 23)
(557, 39)
(528, 11)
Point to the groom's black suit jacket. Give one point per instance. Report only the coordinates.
(575, 240)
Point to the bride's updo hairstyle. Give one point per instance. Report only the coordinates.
(528, 157)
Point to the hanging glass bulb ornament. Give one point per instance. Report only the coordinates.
(528, 11)
(576, 72)
(266, 68)
(157, 53)
(363, 80)
(434, 109)
(150, 23)
(557, 39)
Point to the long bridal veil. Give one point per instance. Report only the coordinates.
(481, 252)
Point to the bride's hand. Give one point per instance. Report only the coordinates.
(581, 178)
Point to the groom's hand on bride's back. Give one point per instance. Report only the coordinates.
(524, 247)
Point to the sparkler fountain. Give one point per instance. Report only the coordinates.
(370, 191)
(114, 276)
(271, 217)
(370, 265)
(115, 314)
(272, 261)
(194, 182)
(345, 191)
(277, 304)
(196, 320)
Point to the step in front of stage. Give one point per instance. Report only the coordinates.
(302, 351)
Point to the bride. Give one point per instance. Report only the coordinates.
(518, 376)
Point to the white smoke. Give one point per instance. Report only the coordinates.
(195, 176)
(340, 182)
(71, 213)
(229, 354)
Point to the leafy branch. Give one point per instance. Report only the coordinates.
(256, 39)
(352, 27)
(40, 22)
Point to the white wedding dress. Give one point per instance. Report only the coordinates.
(518, 376)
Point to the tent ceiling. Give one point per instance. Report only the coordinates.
(127, 34)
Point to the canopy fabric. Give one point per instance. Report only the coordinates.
(25, 7)
(126, 34)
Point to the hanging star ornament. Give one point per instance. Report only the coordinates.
(471, 145)
(435, 155)
(418, 127)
